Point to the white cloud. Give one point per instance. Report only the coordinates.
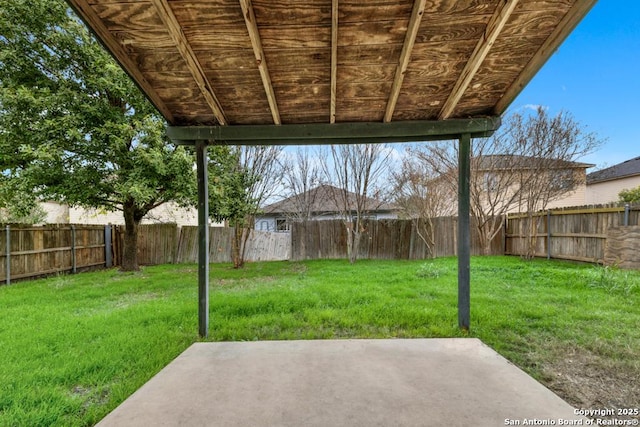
(534, 107)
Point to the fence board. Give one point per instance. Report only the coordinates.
(260, 246)
(37, 251)
(382, 239)
(219, 244)
(266, 246)
(575, 234)
(157, 244)
(187, 245)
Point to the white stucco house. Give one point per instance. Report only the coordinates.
(501, 174)
(604, 185)
(320, 203)
(568, 178)
(166, 213)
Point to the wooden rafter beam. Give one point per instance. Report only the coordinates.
(405, 56)
(173, 27)
(93, 21)
(256, 42)
(491, 33)
(334, 59)
(564, 28)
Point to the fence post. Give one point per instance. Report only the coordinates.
(108, 256)
(505, 230)
(549, 234)
(8, 255)
(626, 214)
(73, 249)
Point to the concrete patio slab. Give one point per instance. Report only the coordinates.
(397, 382)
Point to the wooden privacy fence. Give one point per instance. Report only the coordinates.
(156, 243)
(168, 244)
(382, 239)
(29, 251)
(609, 235)
(260, 246)
(576, 234)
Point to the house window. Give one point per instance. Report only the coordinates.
(282, 225)
(490, 181)
(562, 179)
(262, 225)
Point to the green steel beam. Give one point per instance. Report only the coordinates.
(336, 133)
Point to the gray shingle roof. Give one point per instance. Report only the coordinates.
(324, 200)
(511, 161)
(625, 169)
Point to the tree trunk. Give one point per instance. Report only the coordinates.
(486, 241)
(486, 248)
(355, 247)
(426, 232)
(130, 249)
(236, 247)
(239, 241)
(350, 242)
(303, 240)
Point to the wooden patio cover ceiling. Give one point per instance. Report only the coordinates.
(247, 62)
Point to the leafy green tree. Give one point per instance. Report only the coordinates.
(17, 205)
(630, 195)
(242, 179)
(73, 126)
(229, 198)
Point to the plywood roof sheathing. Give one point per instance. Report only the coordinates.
(496, 24)
(254, 35)
(183, 46)
(405, 56)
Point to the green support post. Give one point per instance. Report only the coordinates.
(464, 231)
(203, 238)
(8, 254)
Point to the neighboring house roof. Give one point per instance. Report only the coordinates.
(625, 169)
(510, 161)
(324, 200)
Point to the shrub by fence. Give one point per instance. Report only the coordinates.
(571, 234)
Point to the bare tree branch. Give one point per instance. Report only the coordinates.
(356, 170)
(524, 166)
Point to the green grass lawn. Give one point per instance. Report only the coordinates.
(74, 347)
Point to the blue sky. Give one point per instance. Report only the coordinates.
(595, 76)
